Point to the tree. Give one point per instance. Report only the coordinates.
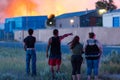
(104, 4)
(111, 6)
(100, 5)
(51, 20)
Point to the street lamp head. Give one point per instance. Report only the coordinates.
(71, 21)
(102, 11)
(50, 22)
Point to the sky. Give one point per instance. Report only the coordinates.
(14, 8)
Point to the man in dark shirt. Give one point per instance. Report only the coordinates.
(29, 46)
(54, 44)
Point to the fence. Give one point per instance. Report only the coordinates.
(110, 36)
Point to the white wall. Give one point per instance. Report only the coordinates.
(108, 19)
(19, 35)
(65, 22)
(109, 36)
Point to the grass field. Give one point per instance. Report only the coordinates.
(12, 66)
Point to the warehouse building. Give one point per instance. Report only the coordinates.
(24, 23)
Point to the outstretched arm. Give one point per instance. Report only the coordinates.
(69, 43)
(65, 35)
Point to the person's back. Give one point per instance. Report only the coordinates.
(55, 46)
(76, 57)
(92, 50)
(29, 46)
(30, 41)
(78, 49)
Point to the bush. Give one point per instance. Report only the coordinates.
(111, 63)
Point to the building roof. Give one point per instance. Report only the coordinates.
(66, 15)
(117, 10)
(18, 17)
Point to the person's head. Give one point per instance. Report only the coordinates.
(91, 35)
(30, 31)
(55, 32)
(75, 41)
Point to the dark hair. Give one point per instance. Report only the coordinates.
(74, 42)
(55, 32)
(30, 31)
(91, 35)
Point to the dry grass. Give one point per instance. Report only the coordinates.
(12, 66)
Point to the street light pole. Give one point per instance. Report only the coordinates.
(91, 28)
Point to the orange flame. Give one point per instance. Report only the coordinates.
(21, 8)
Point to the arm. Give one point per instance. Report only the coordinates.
(69, 43)
(65, 35)
(84, 46)
(25, 47)
(48, 46)
(82, 49)
(35, 39)
(24, 44)
(100, 47)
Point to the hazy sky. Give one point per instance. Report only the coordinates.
(13, 8)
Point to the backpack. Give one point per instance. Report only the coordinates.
(92, 50)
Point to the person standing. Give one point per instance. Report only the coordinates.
(29, 46)
(54, 44)
(93, 51)
(76, 58)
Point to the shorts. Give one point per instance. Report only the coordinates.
(54, 62)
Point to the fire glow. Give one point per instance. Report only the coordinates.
(14, 8)
(21, 8)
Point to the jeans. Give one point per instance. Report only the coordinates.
(92, 65)
(31, 55)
